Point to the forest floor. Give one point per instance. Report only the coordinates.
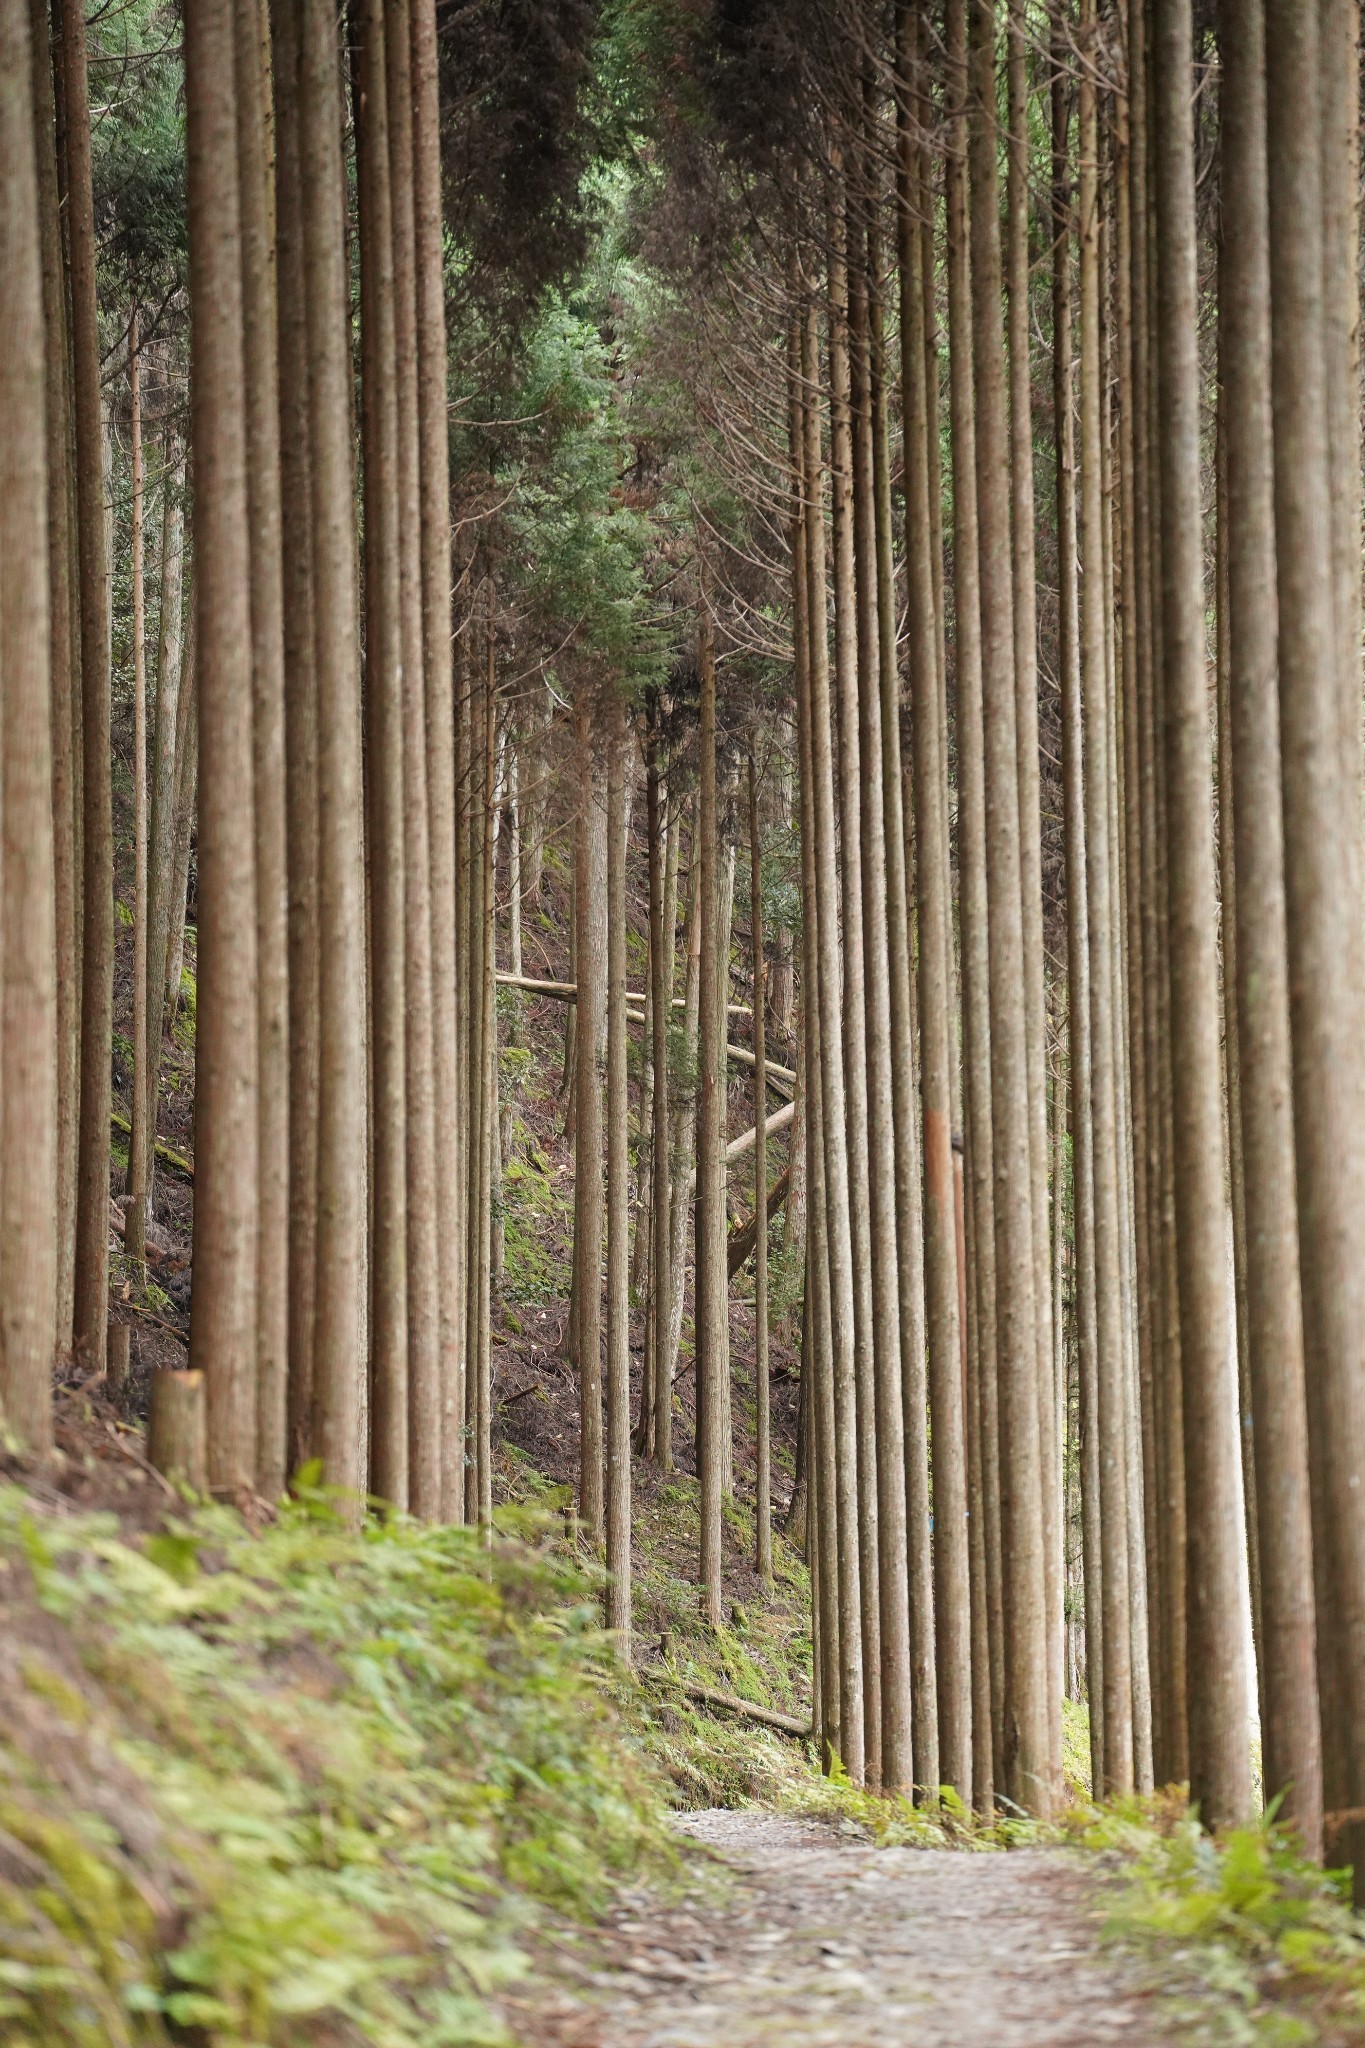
(819, 1941)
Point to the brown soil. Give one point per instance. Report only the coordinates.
(827, 1943)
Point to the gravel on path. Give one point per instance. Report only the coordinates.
(831, 1943)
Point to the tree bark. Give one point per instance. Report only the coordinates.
(139, 1141)
(28, 1074)
(1217, 1695)
(226, 1203)
(763, 1513)
(618, 1514)
(591, 969)
(1323, 880)
(712, 1281)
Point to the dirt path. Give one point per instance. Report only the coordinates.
(830, 1944)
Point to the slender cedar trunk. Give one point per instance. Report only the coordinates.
(1078, 919)
(423, 1253)
(261, 355)
(482, 1401)
(1291, 1740)
(833, 1118)
(763, 1511)
(1338, 127)
(1027, 1752)
(712, 1319)
(465, 1108)
(435, 541)
(888, 1578)
(1024, 567)
(590, 967)
(135, 1216)
(91, 1281)
(907, 1562)
(618, 1197)
(28, 1072)
(63, 628)
(339, 1270)
(817, 1361)
(953, 1694)
(1109, 1412)
(848, 771)
(182, 829)
(1227, 941)
(474, 805)
(1142, 1450)
(385, 792)
(300, 727)
(161, 827)
(1217, 1699)
(1323, 880)
(661, 984)
(226, 1206)
(1161, 1423)
(952, 1561)
(684, 1122)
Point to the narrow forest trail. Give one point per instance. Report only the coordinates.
(826, 1943)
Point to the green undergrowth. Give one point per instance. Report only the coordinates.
(301, 1786)
(1251, 1944)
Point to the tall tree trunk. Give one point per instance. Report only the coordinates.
(91, 1281)
(1027, 1750)
(591, 975)
(1078, 920)
(972, 864)
(226, 1205)
(763, 1512)
(1101, 896)
(618, 1198)
(1217, 1700)
(139, 1144)
(844, 495)
(1024, 568)
(65, 655)
(434, 433)
(385, 793)
(28, 1073)
(712, 1282)
(1323, 881)
(1291, 1740)
(255, 120)
(338, 1316)
(832, 1096)
(300, 724)
(161, 828)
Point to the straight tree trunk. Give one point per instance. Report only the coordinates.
(255, 121)
(618, 1199)
(300, 724)
(139, 1142)
(712, 1281)
(1024, 566)
(833, 1120)
(1101, 895)
(845, 497)
(435, 536)
(161, 828)
(763, 1513)
(91, 1281)
(1323, 880)
(28, 1069)
(338, 1316)
(64, 628)
(590, 1010)
(1217, 1698)
(661, 976)
(1290, 1735)
(386, 793)
(182, 829)
(226, 1204)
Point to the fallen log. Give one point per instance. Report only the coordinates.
(744, 1236)
(164, 1152)
(767, 1717)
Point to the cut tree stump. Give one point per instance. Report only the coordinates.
(177, 1429)
(120, 1356)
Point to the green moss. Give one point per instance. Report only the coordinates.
(367, 1760)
